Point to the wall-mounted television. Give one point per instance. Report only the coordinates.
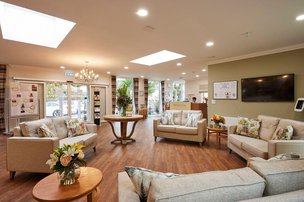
(278, 88)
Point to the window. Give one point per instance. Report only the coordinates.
(204, 96)
(178, 91)
(154, 98)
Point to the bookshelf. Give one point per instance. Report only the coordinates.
(96, 107)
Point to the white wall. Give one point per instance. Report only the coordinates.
(193, 88)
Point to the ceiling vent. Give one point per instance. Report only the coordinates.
(148, 29)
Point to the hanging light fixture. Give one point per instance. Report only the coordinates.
(86, 75)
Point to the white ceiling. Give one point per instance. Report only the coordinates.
(108, 33)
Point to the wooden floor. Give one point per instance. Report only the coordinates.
(164, 155)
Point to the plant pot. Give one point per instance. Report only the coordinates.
(69, 175)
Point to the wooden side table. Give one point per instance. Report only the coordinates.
(219, 132)
(49, 188)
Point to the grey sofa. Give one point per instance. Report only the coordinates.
(265, 147)
(261, 181)
(179, 131)
(29, 153)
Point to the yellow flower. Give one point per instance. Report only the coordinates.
(80, 154)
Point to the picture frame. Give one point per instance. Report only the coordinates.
(225, 90)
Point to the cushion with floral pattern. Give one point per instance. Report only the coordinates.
(248, 127)
(76, 127)
(284, 133)
(167, 118)
(45, 131)
(192, 120)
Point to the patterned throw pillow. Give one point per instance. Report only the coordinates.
(248, 127)
(141, 179)
(75, 127)
(45, 131)
(192, 120)
(167, 118)
(284, 133)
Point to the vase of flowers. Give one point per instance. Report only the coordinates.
(123, 99)
(218, 120)
(66, 160)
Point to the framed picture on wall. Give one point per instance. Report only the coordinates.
(225, 90)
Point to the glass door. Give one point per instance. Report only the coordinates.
(154, 99)
(79, 95)
(56, 99)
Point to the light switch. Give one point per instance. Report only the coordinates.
(212, 101)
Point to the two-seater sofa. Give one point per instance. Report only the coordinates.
(27, 152)
(265, 147)
(261, 181)
(178, 130)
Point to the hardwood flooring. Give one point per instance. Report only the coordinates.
(164, 155)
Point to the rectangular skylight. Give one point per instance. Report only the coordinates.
(157, 58)
(28, 26)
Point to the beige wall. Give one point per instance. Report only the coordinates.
(193, 88)
(275, 64)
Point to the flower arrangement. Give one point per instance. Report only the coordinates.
(123, 99)
(65, 160)
(217, 119)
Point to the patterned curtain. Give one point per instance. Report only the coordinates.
(135, 86)
(162, 85)
(146, 91)
(2, 96)
(113, 85)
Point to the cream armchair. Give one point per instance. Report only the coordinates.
(179, 131)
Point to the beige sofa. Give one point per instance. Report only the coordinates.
(179, 131)
(261, 181)
(265, 147)
(29, 154)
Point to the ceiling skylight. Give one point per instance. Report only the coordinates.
(157, 58)
(28, 26)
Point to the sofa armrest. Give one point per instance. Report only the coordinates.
(156, 122)
(276, 147)
(92, 127)
(232, 129)
(29, 154)
(202, 128)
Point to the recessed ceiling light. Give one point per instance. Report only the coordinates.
(108, 72)
(183, 73)
(142, 76)
(28, 26)
(62, 67)
(157, 58)
(126, 67)
(168, 79)
(203, 70)
(209, 43)
(300, 17)
(142, 12)
(197, 76)
(179, 64)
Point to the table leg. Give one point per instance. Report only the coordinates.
(218, 138)
(208, 135)
(123, 132)
(94, 195)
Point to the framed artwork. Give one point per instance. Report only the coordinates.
(225, 90)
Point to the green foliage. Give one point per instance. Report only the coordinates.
(151, 87)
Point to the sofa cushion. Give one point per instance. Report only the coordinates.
(193, 119)
(89, 138)
(60, 126)
(283, 133)
(298, 128)
(71, 140)
(248, 127)
(167, 128)
(231, 185)
(141, 179)
(30, 128)
(255, 147)
(44, 131)
(187, 113)
(186, 130)
(177, 116)
(167, 118)
(268, 126)
(281, 176)
(76, 127)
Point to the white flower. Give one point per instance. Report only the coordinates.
(52, 161)
(70, 152)
(80, 154)
(65, 160)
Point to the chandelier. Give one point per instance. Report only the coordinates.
(86, 75)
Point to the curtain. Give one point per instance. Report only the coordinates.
(2, 96)
(162, 85)
(135, 86)
(146, 91)
(113, 85)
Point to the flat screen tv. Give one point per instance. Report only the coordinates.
(278, 88)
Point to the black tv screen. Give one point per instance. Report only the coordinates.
(279, 88)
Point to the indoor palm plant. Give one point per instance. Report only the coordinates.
(66, 160)
(123, 99)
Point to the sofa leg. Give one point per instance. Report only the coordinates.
(200, 144)
(155, 138)
(94, 149)
(230, 151)
(12, 175)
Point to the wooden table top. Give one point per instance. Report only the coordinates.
(49, 188)
(217, 129)
(122, 118)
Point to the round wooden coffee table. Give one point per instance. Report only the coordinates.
(219, 132)
(124, 138)
(49, 188)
